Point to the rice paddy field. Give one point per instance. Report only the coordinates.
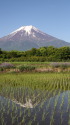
(34, 98)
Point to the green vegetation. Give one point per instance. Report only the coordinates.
(37, 55)
(35, 86)
(48, 92)
(26, 68)
(10, 67)
(46, 81)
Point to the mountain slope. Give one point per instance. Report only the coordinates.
(27, 37)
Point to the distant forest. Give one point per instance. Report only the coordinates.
(37, 55)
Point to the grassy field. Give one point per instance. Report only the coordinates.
(36, 80)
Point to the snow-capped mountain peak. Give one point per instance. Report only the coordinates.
(27, 37)
(27, 29)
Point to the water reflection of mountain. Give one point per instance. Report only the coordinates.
(52, 109)
(25, 95)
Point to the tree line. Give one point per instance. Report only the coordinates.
(42, 54)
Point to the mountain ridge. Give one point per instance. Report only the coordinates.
(27, 37)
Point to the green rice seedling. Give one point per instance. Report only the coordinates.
(69, 120)
(34, 117)
(30, 122)
(43, 116)
(61, 118)
(68, 107)
(52, 119)
(62, 101)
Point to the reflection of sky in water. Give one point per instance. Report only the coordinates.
(47, 108)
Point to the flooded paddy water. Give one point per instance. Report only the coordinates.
(35, 99)
(25, 106)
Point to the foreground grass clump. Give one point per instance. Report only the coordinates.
(26, 68)
(6, 65)
(62, 64)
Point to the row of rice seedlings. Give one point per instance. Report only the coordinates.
(54, 108)
(68, 107)
(52, 118)
(35, 83)
(56, 100)
(62, 101)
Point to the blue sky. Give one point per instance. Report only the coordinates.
(50, 16)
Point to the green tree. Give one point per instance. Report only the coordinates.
(43, 51)
(0, 51)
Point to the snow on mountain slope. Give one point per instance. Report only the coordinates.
(27, 37)
(27, 29)
(29, 33)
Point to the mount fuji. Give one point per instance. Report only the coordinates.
(27, 37)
